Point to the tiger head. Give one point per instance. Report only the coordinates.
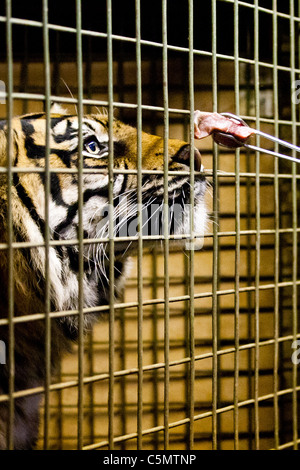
(28, 200)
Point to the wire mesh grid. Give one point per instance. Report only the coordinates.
(197, 352)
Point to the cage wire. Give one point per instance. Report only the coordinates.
(197, 352)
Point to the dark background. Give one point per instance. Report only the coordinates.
(94, 18)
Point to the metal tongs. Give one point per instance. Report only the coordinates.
(230, 141)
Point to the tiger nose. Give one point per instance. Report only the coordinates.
(185, 158)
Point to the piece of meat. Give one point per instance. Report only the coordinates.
(220, 126)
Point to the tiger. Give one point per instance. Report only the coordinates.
(29, 222)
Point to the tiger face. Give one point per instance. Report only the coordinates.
(29, 133)
(29, 224)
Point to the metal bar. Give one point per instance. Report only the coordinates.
(166, 225)
(55, 84)
(123, 399)
(287, 445)
(94, 102)
(260, 9)
(47, 225)
(111, 228)
(105, 308)
(155, 325)
(192, 230)
(257, 223)
(80, 228)
(91, 33)
(88, 75)
(277, 225)
(140, 223)
(91, 355)
(153, 367)
(220, 174)
(89, 102)
(171, 48)
(237, 230)
(100, 34)
(187, 346)
(295, 223)
(204, 415)
(10, 254)
(18, 245)
(215, 241)
(186, 123)
(24, 72)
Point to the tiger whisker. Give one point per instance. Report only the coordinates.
(71, 94)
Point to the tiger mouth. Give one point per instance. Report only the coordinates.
(150, 218)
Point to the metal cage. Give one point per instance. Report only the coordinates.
(198, 352)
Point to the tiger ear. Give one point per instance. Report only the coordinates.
(57, 109)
